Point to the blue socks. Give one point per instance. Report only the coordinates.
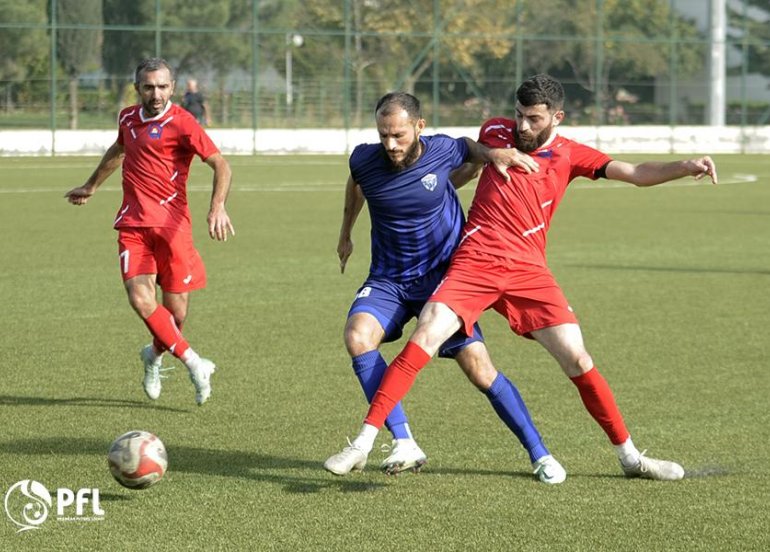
(503, 395)
(509, 405)
(369, 368)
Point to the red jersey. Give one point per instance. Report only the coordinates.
(158, 156)
(511, 219)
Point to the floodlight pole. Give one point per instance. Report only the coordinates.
(717, 64)
(292, 41)
(54, 21)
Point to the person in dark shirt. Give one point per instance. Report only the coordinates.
(195, 103)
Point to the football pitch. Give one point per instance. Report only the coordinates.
(671, 284)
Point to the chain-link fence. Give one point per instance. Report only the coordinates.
(324, 63)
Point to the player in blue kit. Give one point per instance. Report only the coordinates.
(416, 220)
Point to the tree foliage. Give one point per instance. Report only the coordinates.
(612, 41)
(486, 43)
(752, 33)
(78, 41)
(123, 48)
(78, 37)
(395, 42)
(469, 52)
(24, 49)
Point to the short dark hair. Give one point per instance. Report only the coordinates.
(398, 100)
(149, 65)
(541, 89)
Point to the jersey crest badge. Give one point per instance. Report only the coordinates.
(154, 131)
(430, 181)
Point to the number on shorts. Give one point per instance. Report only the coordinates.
(124, 260)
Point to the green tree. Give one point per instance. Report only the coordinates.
(749, 29)
(23, 44)
(215, 41)
(78, 41)
(395, 42)
(125, 46)
(601, 39)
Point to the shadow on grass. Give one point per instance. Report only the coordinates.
(222, 463)
(519, 475)
(83, 401)
(706, 471)
(690, 473)
(475, 472)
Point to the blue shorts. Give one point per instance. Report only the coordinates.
(394, 304)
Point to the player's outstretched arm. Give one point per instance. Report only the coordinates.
(464, 174)
(110, 161)
(651, 173)
(218, 219)
(354, 202)
(501, 158)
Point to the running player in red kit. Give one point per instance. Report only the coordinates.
(156, 143)
(500, 264)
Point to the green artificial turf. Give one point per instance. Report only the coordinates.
(671, 284)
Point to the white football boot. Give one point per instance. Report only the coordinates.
(152, 368)
(651, 468)
(351, 458)
(549, 471)
(200, 374)
(404, 455)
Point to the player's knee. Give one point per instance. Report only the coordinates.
(427, 340)
(358, 340)
(143, 304)
(180, 316)
(477, 366)
(482, 377)
(584, 363)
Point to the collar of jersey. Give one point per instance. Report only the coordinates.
(158, 116)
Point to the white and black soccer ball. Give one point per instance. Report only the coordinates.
(137, 459)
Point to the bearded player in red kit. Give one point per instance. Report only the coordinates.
(501, 264)
(156, 143)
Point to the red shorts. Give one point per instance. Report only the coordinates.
(526, 295)
(167, 252)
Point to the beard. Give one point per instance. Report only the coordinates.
(151, 109)
(530, 143)
(410, 156)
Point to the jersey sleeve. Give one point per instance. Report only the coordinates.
(497, 133)
(192, 135)
(200, 142)
(121, 117)
(587, 161)
(462, 149)
(454, 151)
(355, 160)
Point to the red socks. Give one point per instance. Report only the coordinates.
(396, 382)
(164, 331)
(160, 347)
(600, 403)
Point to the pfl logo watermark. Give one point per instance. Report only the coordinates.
(28, 504)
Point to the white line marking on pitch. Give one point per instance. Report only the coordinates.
(737, 178)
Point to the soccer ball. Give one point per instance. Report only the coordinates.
(137, 459)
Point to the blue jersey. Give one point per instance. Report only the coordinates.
(416, 215)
